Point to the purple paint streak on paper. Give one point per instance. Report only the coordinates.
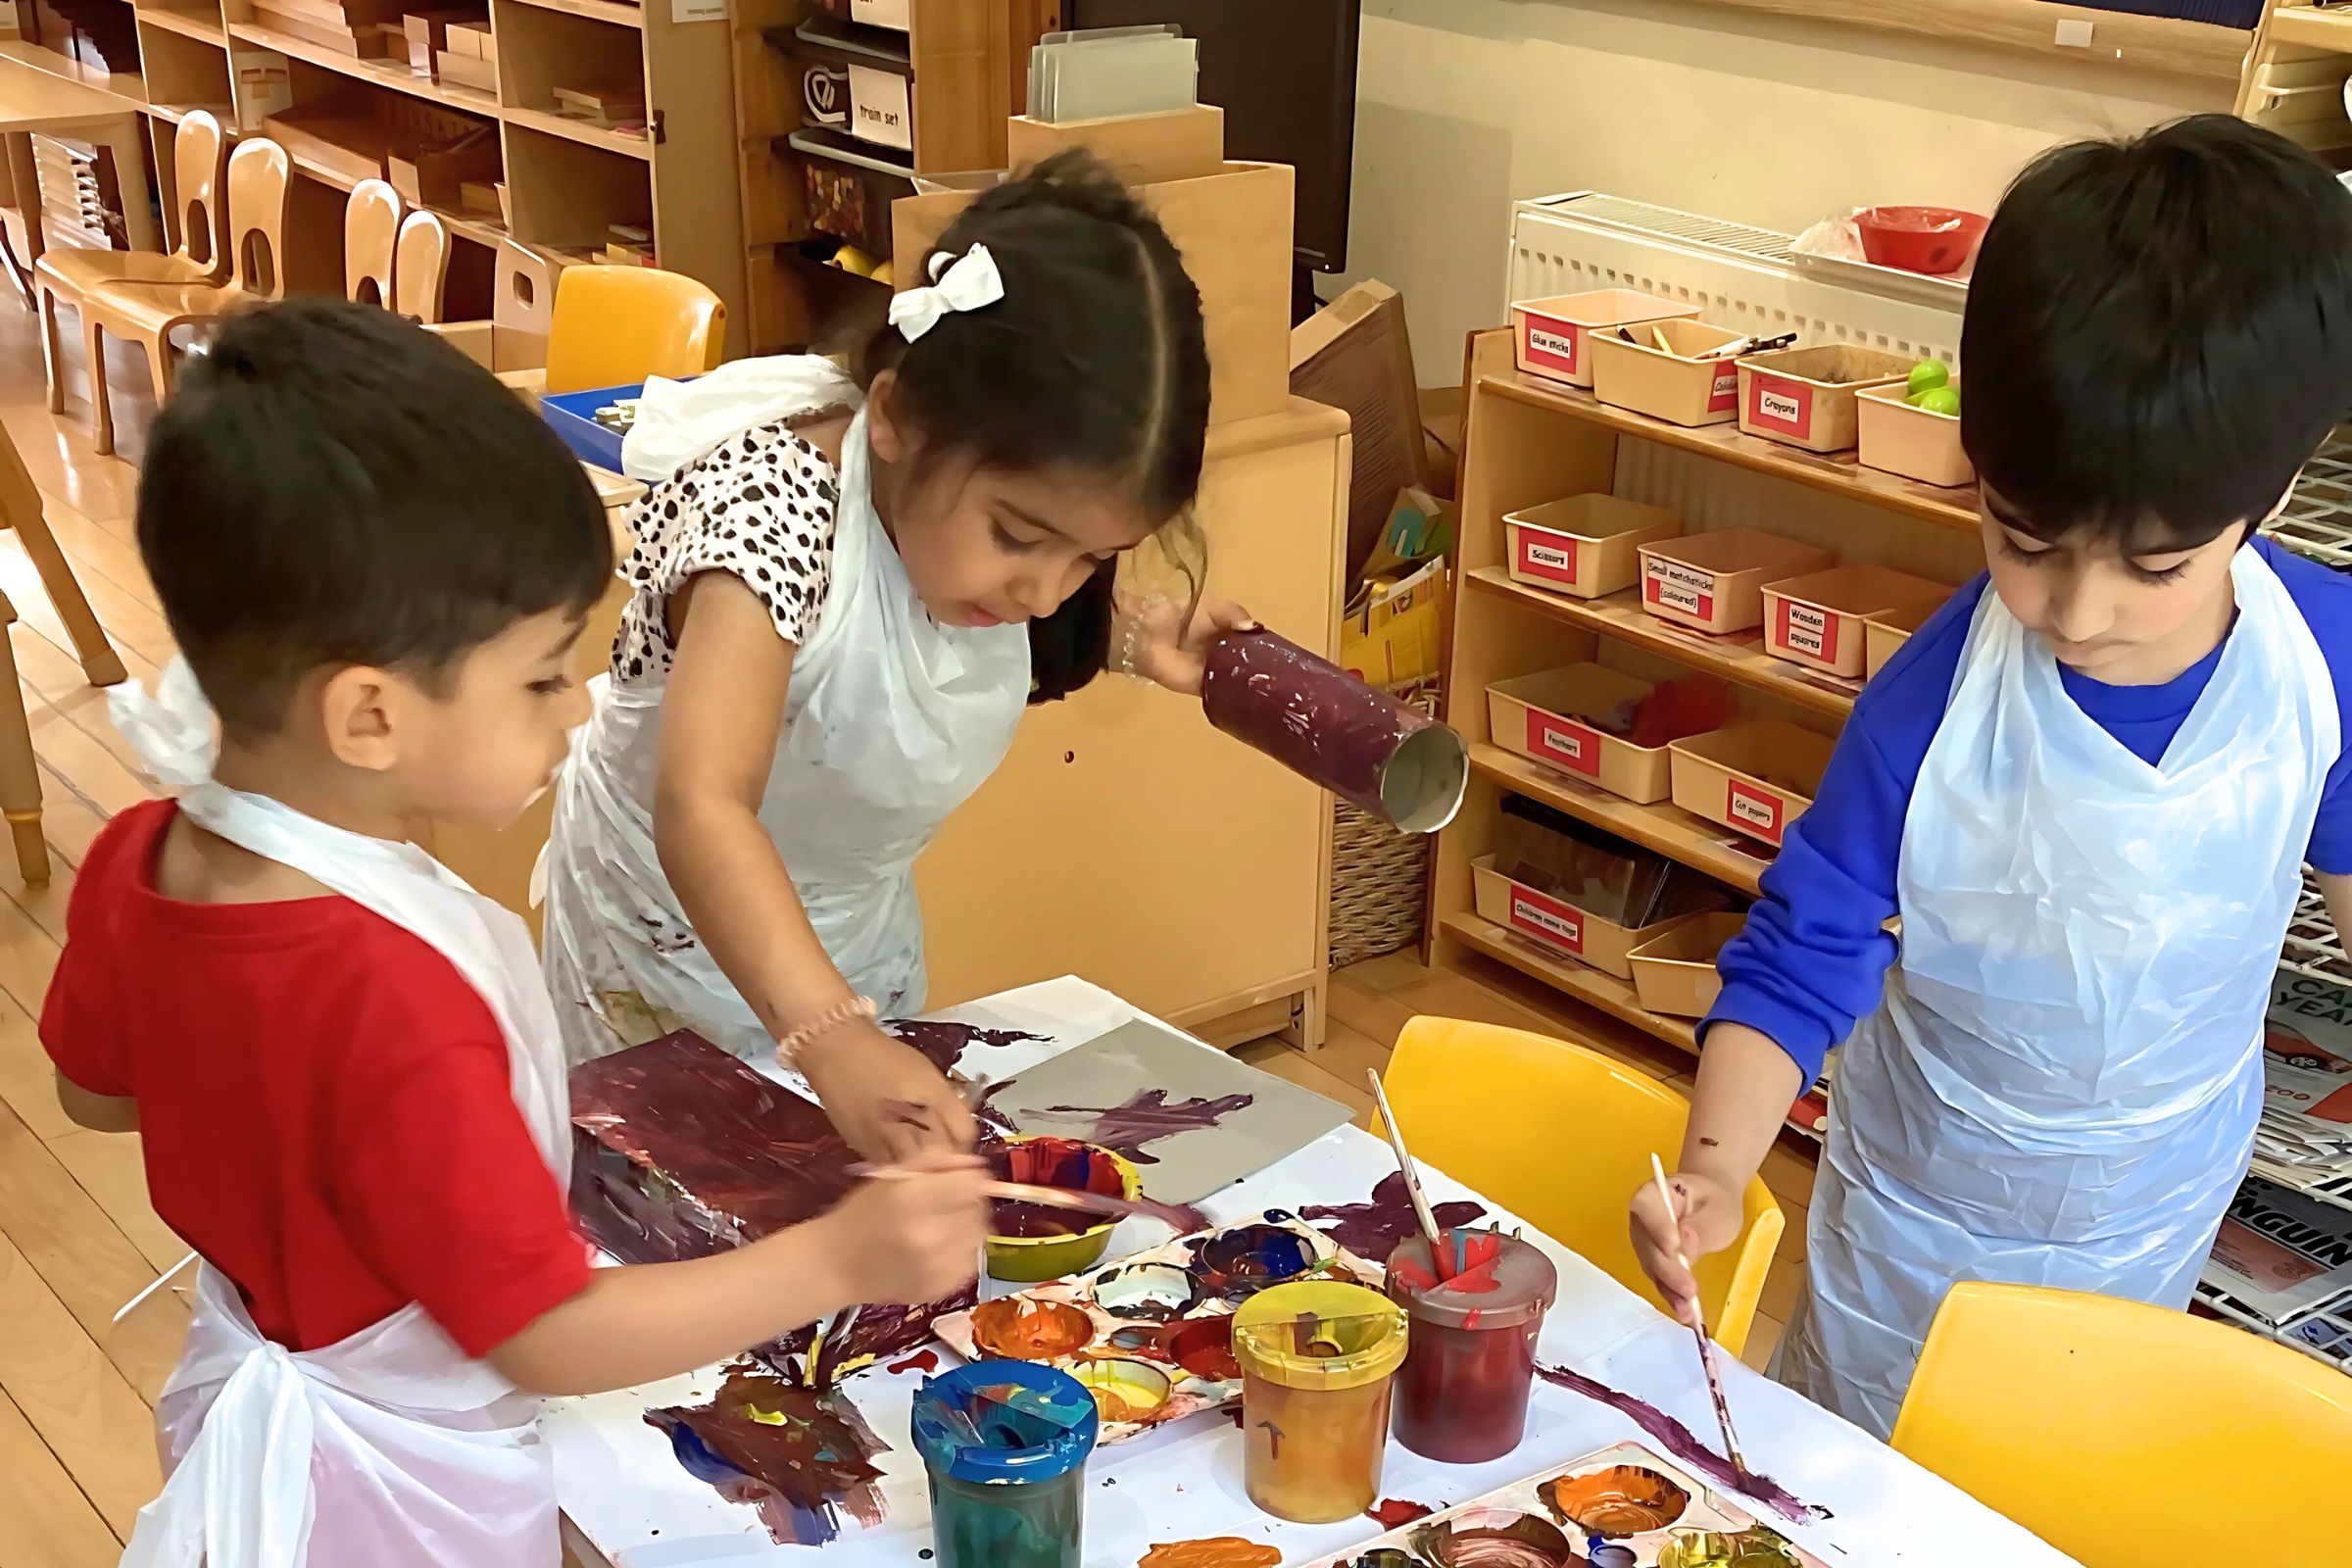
(943, 1042)
(1683, 1444)
(1372, 1229)
(800, 1456)
(1149, 1117)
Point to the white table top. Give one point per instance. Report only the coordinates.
(627, 1495)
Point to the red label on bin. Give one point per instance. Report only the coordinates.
(1726, 394)
(1564, 742)
(1671, 585)
(1547, 921)
(1807, 630)
(1550, 344)
(1780, 405)
(1550, 555)
(1759, 811)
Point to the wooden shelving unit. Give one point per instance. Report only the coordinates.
(811, 188)
(1530, 441)
(2294, 81)
(568, 180)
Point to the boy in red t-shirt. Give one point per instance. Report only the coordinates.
(375, 560)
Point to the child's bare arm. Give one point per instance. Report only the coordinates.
(99, 1114)
(906, 1239)
(2336, 889)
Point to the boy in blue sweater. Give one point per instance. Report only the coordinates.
(2088, 792)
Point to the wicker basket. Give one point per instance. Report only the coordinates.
(1378, 876)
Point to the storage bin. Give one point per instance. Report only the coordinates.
(1714, 582)
(1559, 926)
(1563, 718)
(1882, 634)
(1805, 396)
(1673, 971)
(1547, 335)
(1897, 438)
(1817, 621)
(1757, 776)
(1587, 545)
(1668, 383)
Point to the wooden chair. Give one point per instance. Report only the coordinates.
(614, 326)
(259, 173)
(19, 775)
(1561, 1136)
(420, 267)
(2106, 1426)
(370, 232)
(198, 156)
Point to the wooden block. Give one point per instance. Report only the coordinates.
(629, 234)
(469, 38)
(466, 70)
(606, 106)
(429, 34)
(480, 196)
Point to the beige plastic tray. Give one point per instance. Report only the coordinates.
(1674, 972)
(1882, 634)
(1560, 927)
(1756, 777)
(1895, 437)
(1714, 582)
(1667, 383)
(1805, 396)
(1586, 545)
(1817, 621)
(1547, 335)
(1542, 717)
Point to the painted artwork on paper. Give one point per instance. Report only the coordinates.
(802, 1457)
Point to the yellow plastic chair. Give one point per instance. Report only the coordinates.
(2125, 1434)
(615, 325)
(1561, 1136)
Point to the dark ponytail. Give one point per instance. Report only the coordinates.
(1094, 360)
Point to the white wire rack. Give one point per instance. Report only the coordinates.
(2318, 521)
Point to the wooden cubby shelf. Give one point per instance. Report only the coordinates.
(1671, 831)
(1605, 993)
(204, 25)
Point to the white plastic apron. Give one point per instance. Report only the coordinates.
(892, 721)
(397, 1446)
(2062, 1083)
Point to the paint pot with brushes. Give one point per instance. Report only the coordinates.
(1324, 725)
(1318, 1358)
(1470, 1364)
(1006, 1445)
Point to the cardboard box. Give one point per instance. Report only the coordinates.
(1139, 149)
(1667, 383)
(1757, 777)
(1805, 396)
(1817, 621)
(464, 71)
(1882, 634)
(435, 174)
(1587, 545)
(395, 36)
(1234, 230)
(1546, 719)
(1558, 926)
(1354, 355)
(1893, 436)
(1547, 335)
(1714, 582)
(1673, 971)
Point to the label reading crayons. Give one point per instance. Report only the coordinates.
(1564, 742)
(1551, 557)
(1783, 405)
(1757, 811)
(1808, 629)
(1550, 922)
(1671, 585)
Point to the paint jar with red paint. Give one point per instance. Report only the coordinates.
(1318, 1358)
(1005, 1445)
(1461, 1398)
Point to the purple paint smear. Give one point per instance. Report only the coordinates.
(1149, 1117)
(1373, 1230)
(1685, 1444)
(943, 1041)
(800, 1456)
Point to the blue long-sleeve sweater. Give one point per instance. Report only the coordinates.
(1813, 956)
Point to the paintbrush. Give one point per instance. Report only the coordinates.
(1178, 1218)
(1441, 1258)
(1706, 1347)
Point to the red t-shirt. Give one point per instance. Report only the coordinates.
(324, 1104)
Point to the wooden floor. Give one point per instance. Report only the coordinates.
(78, 1237)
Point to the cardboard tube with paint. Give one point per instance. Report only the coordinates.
(1324, 725)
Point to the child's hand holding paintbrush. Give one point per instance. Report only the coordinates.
(912, 1232)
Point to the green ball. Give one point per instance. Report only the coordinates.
(1939, 400)
(1929, 374)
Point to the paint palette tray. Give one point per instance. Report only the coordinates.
(1152, 1335)
(1623, 1506)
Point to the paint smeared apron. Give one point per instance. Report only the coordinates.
(2061, 1085)
(392, 1446)
(890, 722)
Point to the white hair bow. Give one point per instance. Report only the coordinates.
(963, 282)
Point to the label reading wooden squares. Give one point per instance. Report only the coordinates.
(1807, 630)
(1548, 556)
(1783, 405)
(1671, 585)
(1757, 811)
(1554, 347)
(1549, 921)
(1563, 742)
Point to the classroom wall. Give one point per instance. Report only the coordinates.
(1465, 105)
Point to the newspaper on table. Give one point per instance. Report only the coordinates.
(2305, 1137)
(2282, 1264)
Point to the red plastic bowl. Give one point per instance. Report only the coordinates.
(1920, 239)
